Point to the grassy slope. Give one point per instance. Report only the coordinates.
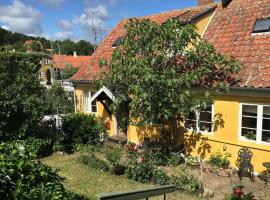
(90, 182)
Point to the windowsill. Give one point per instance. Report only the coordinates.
(243, 139)
(199, 132)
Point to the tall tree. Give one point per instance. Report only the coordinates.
(153, 72)
(84, 48)
(21, 95)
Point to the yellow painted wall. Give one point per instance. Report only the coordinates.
(226, 137)
(101, 112)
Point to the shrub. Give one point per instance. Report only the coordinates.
(94, 162)
(81, 129)
(141, 172)
(185, 181)
(160, 177)
(22, 178)
(175, 159)
(40, 147)
(113, 155)
(219, 160)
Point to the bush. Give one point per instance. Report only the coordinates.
(219, 160)
(160, 177)
(82, 129)
(94, 162)
(175, 159)
(141, 172)
(22, 178)
(184, 181)
(113, 155)
(37, 148)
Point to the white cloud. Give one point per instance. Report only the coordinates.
(5, 27)
(92, 16)
(52, 3)
(21, 18)
(65, 25)
(63, 35)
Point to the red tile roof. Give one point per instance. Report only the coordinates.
(105, 50)
(76, 61)
(230, 31)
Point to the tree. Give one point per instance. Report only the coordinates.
(84, 48)
(60, 101)
(21, 95)
(153, 72)
(36, 46)
(67, 47)
(68, 71)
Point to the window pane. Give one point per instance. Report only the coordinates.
(191, 116)
(190, 124)
(266, 136)
(249, 110)
(205, 126)
(249, 134)
(249, 122)
(191, 121)
(266, 111)
(206, 116)
(266, 124)
(94, 106)
(86, 100)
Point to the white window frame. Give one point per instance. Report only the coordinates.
(259, 123)
(197, 114)
(88, 108)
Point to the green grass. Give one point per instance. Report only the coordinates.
(91, 182)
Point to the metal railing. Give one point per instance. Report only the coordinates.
(139, 194)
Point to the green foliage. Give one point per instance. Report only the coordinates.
(162, 70)
(185, 181)
(113, 155)
(84, 48)
(36, 46)
(248, 196)
(141, 172)
(175, 159)
(68, 71)
(160, 177)
(21, 95)
(22, 178)
(58, 100)
(82, 129)
(94, 162)
(219, 160)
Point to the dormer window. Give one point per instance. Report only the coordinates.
(262, 26)
(118, 42)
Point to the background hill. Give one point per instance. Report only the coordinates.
(10, 41)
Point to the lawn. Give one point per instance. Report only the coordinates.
(90, 182)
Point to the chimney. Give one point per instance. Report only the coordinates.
(74, 54)
(204, 2)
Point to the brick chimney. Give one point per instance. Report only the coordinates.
(204, 2)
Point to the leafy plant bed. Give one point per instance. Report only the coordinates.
(221, 171)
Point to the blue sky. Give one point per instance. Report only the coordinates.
(61, 19)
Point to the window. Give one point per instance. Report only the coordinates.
(201, 120)
(87, 105)
(262, 25)
(255, 122)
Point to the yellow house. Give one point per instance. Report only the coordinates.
(238, 119)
